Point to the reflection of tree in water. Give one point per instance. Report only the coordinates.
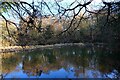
(75, 59)
(81, 59)
(10, 61)
(109, 62)
(40, 61)
(32, 63)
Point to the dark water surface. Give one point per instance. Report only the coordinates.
(62, 62)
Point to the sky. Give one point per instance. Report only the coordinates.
(70, 1)
(65, 3)
(93, 6)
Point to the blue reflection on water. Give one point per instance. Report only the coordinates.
(60, 73)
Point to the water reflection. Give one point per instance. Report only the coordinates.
(64, 62)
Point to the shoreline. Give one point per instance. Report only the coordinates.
(32, 47)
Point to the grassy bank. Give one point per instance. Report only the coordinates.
(24, 48)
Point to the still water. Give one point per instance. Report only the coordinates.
(62, 62)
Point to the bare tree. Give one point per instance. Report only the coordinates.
(74, 13)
